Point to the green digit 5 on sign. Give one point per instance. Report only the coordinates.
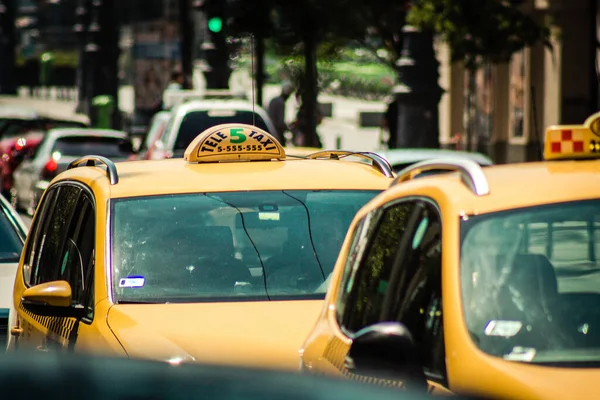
(236, 135)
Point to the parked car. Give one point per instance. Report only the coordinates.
(21, 130)
(402, 158)
(12, 238)
(58, 148)
(191, 118)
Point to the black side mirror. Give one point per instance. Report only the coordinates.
(387, 351)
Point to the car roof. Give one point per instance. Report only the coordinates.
(411, 156)
(513, 186)
(177, 176)
(63, 132)
(199, 105)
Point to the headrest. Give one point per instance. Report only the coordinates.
(534, 273)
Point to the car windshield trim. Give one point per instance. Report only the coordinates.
(228, 246)
(530, 283)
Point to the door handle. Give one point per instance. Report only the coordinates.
(16, 331)
(42, 348)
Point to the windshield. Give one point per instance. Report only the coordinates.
(264, 245)
(11, 243)
(531, 283)
(77, 146)
(196, 122)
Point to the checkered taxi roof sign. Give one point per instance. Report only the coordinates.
(568, 142)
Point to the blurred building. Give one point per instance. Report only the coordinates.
(504, 109)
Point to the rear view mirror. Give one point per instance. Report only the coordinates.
(386, 351)
(258, 220)
(50, 299)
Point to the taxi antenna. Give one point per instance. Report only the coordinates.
(253, 77)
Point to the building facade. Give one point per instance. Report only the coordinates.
(503, 109)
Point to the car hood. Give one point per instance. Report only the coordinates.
(254, 334)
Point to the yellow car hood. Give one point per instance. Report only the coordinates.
(260, 334)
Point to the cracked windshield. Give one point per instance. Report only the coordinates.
(401, 193)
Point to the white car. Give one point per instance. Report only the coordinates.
(190, 118)
(402, 158)
(12, 238)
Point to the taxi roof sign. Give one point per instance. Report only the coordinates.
(234, 142)
(568, 142)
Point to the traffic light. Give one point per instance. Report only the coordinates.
(215, 24)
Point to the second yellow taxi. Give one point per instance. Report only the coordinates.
(482, 281)
(219, 257)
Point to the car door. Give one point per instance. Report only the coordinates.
(368, 292)
(52, 255)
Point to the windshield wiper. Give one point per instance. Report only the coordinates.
(137, 302)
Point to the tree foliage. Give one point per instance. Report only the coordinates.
(479, 30)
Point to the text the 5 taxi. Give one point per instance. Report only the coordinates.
(484, 281)
(220, 256)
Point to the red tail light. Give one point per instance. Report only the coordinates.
(51, 165)
(49, 171)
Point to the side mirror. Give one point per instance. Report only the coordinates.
(51, 299)
(387, 351)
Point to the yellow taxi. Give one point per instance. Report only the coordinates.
(219, 257)
(483, 280)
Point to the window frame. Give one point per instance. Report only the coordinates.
(428, 203)
(374, 229)
(75, 222)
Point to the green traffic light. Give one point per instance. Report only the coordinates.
(215, 24)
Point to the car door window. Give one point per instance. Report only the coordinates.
(54, 236)
(369, 287)
(78, 252)
(416, 290)
(36, 234)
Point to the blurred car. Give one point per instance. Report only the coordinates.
(12, 237)
(58, 148)
(216, 257)
(157, 127)
(402, 158)
(191, 118)
(66, 376)
(482, 280)
(21, 130)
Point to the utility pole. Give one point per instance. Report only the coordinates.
(187, 41)
(418, 93)
(8, 41)
(82, 16)
(97, 73)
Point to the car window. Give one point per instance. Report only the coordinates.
(415, 295)
(11, 240)
(76, 146)
(77, 253)
(367, 289)
(50, 258)
(240, 245)
(529, 281)
(196, 122)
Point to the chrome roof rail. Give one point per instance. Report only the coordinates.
(470, 172)
(90, 161)
(379, 162)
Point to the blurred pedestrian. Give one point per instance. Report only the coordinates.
(177, 80)
(276, 111)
